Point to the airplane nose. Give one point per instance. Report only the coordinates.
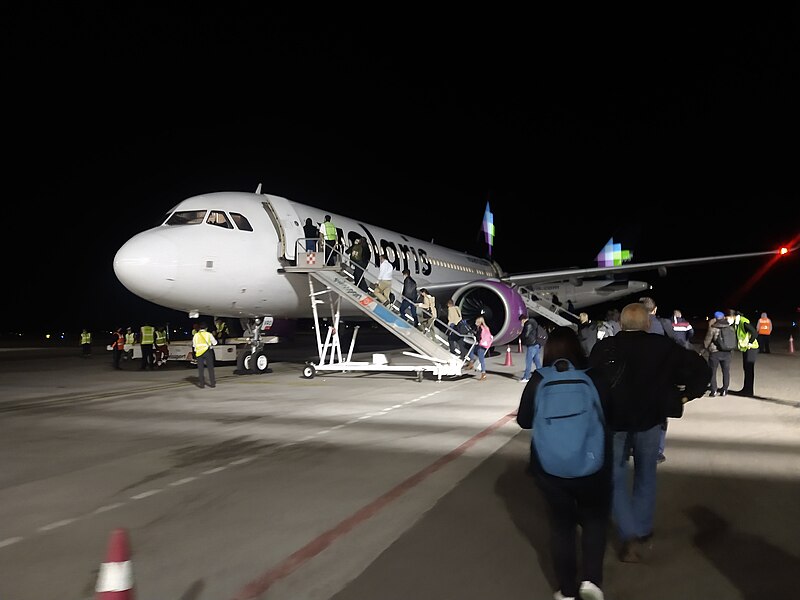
(146, 264)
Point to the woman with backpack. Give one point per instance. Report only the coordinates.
(719, 352)
(575, 503)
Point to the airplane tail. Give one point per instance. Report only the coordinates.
(616, 253)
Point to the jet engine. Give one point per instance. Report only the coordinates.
(500, 305)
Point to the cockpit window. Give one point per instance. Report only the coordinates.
(241, 222)
(186, 217)
(218, 218)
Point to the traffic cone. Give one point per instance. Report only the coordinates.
(115, 580)
(519, 344)
(508, 362)
(791, 345)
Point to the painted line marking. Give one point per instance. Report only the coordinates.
(107, 508)
(10, 541)
(183, 481)
(289, 565)
(146, 494)
(57, 524)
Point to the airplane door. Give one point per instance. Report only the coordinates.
(287, 224)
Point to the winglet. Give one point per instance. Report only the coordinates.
(613, 255)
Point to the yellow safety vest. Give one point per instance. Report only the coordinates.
(130, 338)
(330, 230)
(161, 338)
(147, 334)
(86, 338)
(201, 342)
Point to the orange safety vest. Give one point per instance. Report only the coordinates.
(764, 326)
(120, 343)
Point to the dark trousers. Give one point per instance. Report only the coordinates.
(749, 366)
(147, 357)
(408, 305)
(584, 502)
(358, 278)
(722, 360)
(206, 360)
(116, 355)
(763, 344)
(330, 256)
(87, 349)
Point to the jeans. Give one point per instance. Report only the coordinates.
(532, 355)
(408, 305)
(722, 360)
(480, 351)
(633, 508)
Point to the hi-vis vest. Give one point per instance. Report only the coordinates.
(86, 338)
(130, 338)
(161, 338)
(119, 343)
(764, 326)
(202, 342)
(330, 230)
(743, 337)
(147, 334)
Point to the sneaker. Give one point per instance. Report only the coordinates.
(723, 393)
(559, 596)
(661, 458)
(524, 380)
(590, 591)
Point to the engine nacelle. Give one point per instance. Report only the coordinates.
(500, 304)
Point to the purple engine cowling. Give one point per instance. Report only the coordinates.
(500, 305)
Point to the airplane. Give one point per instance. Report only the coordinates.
(231, 254)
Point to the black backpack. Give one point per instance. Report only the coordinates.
(541, 335)
(726, 340)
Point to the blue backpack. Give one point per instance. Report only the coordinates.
(568, 433)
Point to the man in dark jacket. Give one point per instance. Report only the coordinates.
(652, 377)
(661, 326)
(359, 254)
(410, 296)
(532, 348)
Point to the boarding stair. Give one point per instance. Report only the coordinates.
(543, 305)
(335, 284)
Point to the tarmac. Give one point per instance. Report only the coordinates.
(357, 486)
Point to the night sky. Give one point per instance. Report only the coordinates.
(575, 124)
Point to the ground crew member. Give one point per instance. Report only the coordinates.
(162, 346)
(117, 348)
(130, 341)
(328, 233)
(86, 343)
(202, 342)
(747, 341)
(221, 330)
(764, 331)
(147, 336)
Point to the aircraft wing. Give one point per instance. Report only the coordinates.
(577, 274)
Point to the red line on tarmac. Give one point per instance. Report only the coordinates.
(289, 565)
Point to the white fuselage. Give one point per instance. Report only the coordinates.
(227, 259)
